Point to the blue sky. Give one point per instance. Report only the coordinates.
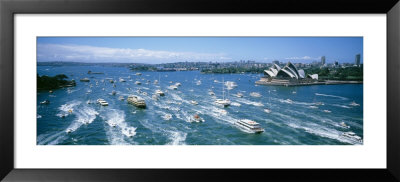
(219, 49)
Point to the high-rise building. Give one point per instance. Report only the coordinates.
(357, 61)
(323, 60)
(275, 62)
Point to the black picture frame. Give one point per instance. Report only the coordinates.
(9, 8)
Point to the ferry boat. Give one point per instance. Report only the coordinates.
(250, 126)
(138, 83)
(102, 102)
(137, 101)
(352, 136)
(85, 80)
(160, 93)
(255, 94)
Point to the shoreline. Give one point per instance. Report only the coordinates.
(327, 82)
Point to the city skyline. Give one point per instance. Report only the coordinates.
(156, 50)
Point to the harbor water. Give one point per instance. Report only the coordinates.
(302, 115)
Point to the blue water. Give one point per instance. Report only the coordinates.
(287, 124)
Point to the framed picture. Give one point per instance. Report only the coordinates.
(155, 90)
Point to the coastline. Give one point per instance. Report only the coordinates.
(327, 82)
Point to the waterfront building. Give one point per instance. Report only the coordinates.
(357, 60)
(288, 75)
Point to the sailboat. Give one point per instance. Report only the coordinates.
(223, 101)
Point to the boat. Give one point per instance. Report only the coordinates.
(160, 93)
(194, 102)
(113, 92)
(114, 85)
(173, 87)
(138, 83)
(215, 81)
(313, 107)
(196, 118)
(288, 101)
(121, 80)
(121, 98)
(352, 136)
(137, 101)
(178, 84)
(230, 85)
(223, 101)
(319, 103)
(344, 125)
(167, 116)
(102, 102)
(294, 92)
(138, 74)
(112, 124)
(211, 93)
(255, 94)
(267, 110)
(249, 125)
(69, 130)
(240, 95)
(50, 91)
(198, 82)
(170, 81)
(327, 111)
(85, 80)
(354, 104)
(155, 82)
(45, 102)
(111, 81)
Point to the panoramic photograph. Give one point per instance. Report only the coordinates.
(199, 91)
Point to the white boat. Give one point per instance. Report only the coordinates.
(327, 111)
(288, 101)
(255, 94)
(352, 136)
(194, 102)
(249, 125)
(313, 107)
(173, 87)
(45, 102)
(167, 117)
(137, 101)
(294, 92)
(160, 93)
(85, 80)
(267, 110)
(230, 85)
(155, 82)
(196, 118)
(138, 74)
(102, 102)
(121, 80)
(178, 84)
(319, 103)
(344, 125)
(240, 95)
(354, 104)
(211, 93)
(138, 83)
(198, 82)
(223, 101)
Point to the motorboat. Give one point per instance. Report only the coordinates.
(194, 102)
(85, 80)
(354, 104)
(138, 83)
(102, 102)
(255, 94)
(178, 84)
(136, 101)
(138, 74)
(69, 130)
(313, 107)
(196, 118)
(211, 93)
(160, 93)
(198, 82)
(121, 80)
(288, 101)
(344, 125)
(240, 95)
(327, 111)
(173, 87)
(112, 124)
(45, 102)
(267, 110)
(249, 125)
(352, 136)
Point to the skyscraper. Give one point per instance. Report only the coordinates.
(323, 60)
(357, 61)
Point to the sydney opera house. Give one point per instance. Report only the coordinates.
(287, 76)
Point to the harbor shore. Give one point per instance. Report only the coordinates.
(326, 82)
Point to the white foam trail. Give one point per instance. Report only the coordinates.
(342, 106)
(235, 104)
(177, 137)
(118, 129)
(245, 101)
(50, 138)
(66, 108)
(326, 95)
(85, 115)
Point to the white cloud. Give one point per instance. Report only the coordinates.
(304, 58)
(59, 52)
